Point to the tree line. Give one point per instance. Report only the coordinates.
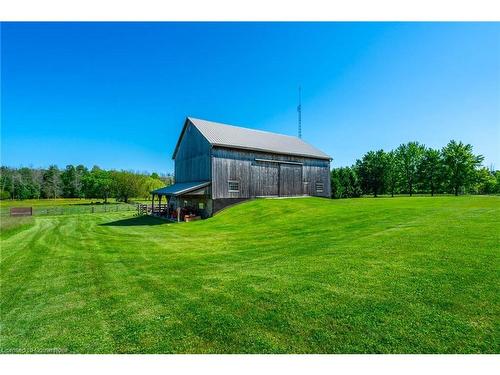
(413, 168)
(410, 168)
(78, 182)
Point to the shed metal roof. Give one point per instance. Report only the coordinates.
(181, 188)
(224, 135)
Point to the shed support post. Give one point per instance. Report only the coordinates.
(159, 204)
(178, 214)
(152, 204)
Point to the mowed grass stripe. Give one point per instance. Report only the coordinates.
(399, 275)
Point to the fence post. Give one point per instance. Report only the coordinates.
(93, 211)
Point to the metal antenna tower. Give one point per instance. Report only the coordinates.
(299, 110)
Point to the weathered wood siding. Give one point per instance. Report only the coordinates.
(264, 179)
(261, 178)
(290, 180)
(192, 161)
(313, 174)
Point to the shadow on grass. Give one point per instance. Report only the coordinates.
(135, 221)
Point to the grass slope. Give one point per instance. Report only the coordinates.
(399, 275)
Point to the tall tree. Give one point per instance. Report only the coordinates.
(350, 181)
(68, 177)
(80, 173)
(126, 185)
(30, 187)
(97, 184)
(409, 156)
(371, 170)
(17, 185)
(6, 183)
(460, 165)
(392, 172)
(72, 181)
(335, 183)
(485, 181)
(430, 170)
(149, 184)
(51, 182)
(345, 183)
(104, 185)
(37, 176)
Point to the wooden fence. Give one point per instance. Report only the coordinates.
(21, 211)
(67, 209)
(157, 209)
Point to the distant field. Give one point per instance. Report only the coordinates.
(64, 206)
(51, 202)
(402, 275)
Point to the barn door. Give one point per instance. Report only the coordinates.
(290, 180)
(264, 179)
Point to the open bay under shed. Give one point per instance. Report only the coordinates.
(192, 195)
(217, 165)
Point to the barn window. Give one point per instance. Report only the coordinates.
(319, 187)
(234, 186)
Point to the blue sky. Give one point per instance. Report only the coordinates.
(116, 94)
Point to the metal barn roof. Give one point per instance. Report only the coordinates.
(257, 140)
(181, 188)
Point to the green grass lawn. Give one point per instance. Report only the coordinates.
(402, 275)
(12, 225)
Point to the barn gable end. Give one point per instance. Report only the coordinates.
(192, 156)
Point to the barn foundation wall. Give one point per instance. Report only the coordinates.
(220, 204)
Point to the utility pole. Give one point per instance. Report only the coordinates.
(299, 110)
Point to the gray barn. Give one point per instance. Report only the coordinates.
(217, 165)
